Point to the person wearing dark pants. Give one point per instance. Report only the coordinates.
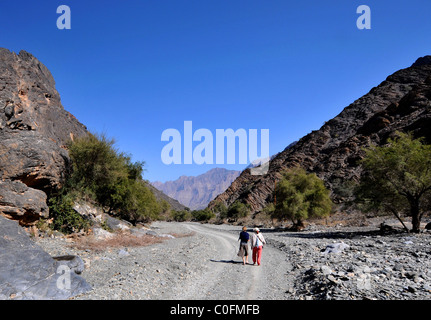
(244, 238)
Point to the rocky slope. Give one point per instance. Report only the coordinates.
(197, 192)
(175, 205)
(401, 102)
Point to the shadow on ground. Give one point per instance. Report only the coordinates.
(334, 234)
(227, 261)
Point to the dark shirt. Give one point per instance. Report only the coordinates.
(244, 236)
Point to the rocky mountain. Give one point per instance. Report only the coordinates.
(197, 192)
(34, 129)
(34, 132)
(175, 205)
(402, 102)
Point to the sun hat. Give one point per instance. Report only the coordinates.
(256, 229)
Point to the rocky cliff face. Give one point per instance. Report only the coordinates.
(197, 192)
(400, 103)
(34, 129)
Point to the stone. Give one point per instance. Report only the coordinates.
(101, 234)
(116, 224)
(73, 262)
(325, 270)
(123, 253)
(335, 247)
(22, 203)
(88, 211)
(27, 272)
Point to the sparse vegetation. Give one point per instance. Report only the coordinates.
(118, 240)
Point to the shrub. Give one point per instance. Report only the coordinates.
(65, 218)
(301, 195)
(181, 216)
(220, 210)
(202, 215)
(99, 172)
(237, 210)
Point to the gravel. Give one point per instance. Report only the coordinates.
(318, 263)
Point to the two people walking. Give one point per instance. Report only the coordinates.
(257, 241)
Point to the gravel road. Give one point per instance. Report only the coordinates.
(295, 265)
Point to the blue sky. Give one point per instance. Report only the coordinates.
(132, 69)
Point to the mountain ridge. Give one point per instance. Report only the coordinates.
(196, 192)
(400, 103)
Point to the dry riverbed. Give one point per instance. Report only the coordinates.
(200, 262)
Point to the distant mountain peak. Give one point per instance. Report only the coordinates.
(196, 192)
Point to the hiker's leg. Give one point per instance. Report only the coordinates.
(259, 254)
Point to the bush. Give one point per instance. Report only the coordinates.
(100, 173)
(65, 218)
(181, 216)
(220, 209)
(237, 210)
(202, 215)
(299, 196)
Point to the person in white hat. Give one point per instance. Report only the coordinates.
(257, 242)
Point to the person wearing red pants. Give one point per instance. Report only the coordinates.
(257, 242)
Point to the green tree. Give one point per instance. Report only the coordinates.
(299, 196)
(181, 215)
(220, 210)
(102, 174)
(396, 179)
(237, 210)
(97, 168)
(202, 215)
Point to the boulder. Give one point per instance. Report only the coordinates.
(29, 273)
(89, 211)
(117, 225)
(74, 263)
(22, 203)
(336, 247)
(102, 234)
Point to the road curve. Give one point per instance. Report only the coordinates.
(225, 277)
